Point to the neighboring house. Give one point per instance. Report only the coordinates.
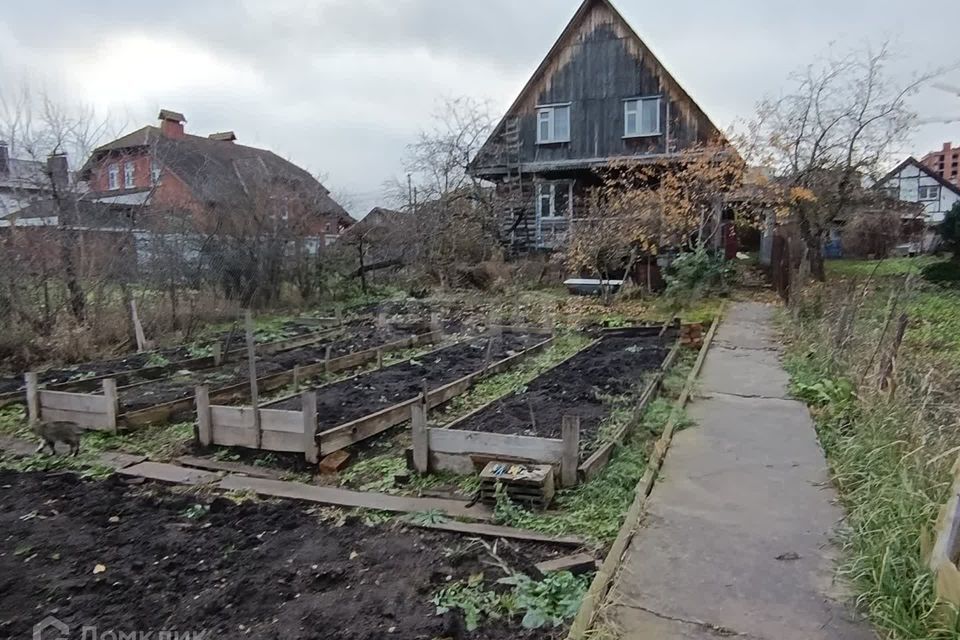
(945, 163)
(215, 182)
(599, 95)
(21, 182)
(913, 181)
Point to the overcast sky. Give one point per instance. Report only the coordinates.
(342, 86)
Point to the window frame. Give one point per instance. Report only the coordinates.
(113, 177)
(638, 101)
(926, 188)
(553, 201)
(155, 171)
(551, 111)
(129, 175)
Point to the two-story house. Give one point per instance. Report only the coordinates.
(22, 182)
(913, 181)
(162, 171)
(598, 96)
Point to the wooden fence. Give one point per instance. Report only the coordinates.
(238, 426)
(96, 413)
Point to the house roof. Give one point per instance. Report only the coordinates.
(582, 14)
(923, 168)
(220, 172)
(25, 174)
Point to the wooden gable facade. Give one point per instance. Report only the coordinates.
(599, 95)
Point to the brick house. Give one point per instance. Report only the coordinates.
(213, 182)
(945, 163)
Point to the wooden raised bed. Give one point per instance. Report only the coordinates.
(464, 452)
(96, 411)
(232, 426)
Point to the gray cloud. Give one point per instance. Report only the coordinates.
(341, 86)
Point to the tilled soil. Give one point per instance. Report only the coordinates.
(128, 559)
(363, 395)
(613, 367)
(183, 384)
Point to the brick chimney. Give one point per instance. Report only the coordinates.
(947, 147)
(4, 158)
(58, 170)
(171, 124)
(226, 136)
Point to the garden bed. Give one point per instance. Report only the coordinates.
(126, 559)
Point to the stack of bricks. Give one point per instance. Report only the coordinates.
(691, 335)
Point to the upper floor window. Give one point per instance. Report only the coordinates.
(154, 171)
(113, 177)
(929, 192)
(129, 175)
(641, 117)
(553, 124)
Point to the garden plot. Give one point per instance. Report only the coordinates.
(146, 560)
(338, 415)
(556, 419)
(150, 401)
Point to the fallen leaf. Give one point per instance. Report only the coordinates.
(100, 568)
(353, 555)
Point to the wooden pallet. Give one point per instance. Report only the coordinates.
(530, 485)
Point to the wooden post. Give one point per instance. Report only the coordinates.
(379, 358)
(338, 313)
(888, 367)
(435, 326)
(204, 426)
(308, 403)
(296, 377)
(326, 359)
(113, 403)
(421, 445)
(381, 320)
(548, 323)
(489, 356)
(138, 328)
(571, 451)
(252, 365)
(33, 396)
(217, 353)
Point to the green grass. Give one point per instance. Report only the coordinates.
(879, 268)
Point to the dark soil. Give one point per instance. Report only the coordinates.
(255, 570)
(363, 395)
(613, 367)
(183, 384)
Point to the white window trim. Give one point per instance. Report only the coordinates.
(113, 177)
(925, 188)
(129, 175)
(638, 101)
(552, 110)
(553, 201)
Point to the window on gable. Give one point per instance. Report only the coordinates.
(553, 124)
(113, 177)
(154, 172)
(641, 117)
(129, 175)
(929, 192)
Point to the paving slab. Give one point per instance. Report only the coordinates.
(736, 540)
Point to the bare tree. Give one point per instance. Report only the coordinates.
(842, 121)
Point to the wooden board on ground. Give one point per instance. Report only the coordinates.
(496, 531)
(575, 564)
(119, 460)
(353, 499)
(208, 464)
(169, 473)
(17, 446)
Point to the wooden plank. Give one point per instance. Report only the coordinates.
(281, 421)
(111, 402)
(308, 405)
(283, 441)
(452, 441)
(234, 437)
(354, 499)
(252, 374)
(575, 564)
(571, 451)
(17, 446)
(118, 460)
(204, 429)
(496, 531)
(208, 464)
(84, 402)
(33, 396)
(169, 473)
(94, 421)
(231, 417)
(345, 435)
(603, 579)
(421, 441)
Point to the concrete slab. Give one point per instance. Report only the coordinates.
(737, 535)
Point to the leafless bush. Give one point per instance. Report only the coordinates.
(871, 234)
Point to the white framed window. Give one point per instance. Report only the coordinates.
(641, 117)
(129, 175)
(154, 172)
(113, 177)
(553, 124)
(554, 200)
(930, 192)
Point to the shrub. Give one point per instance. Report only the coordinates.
(697, 274)
(950, 231)
(871, 234)
(943, 272)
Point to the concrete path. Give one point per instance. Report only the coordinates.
(736, 541)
